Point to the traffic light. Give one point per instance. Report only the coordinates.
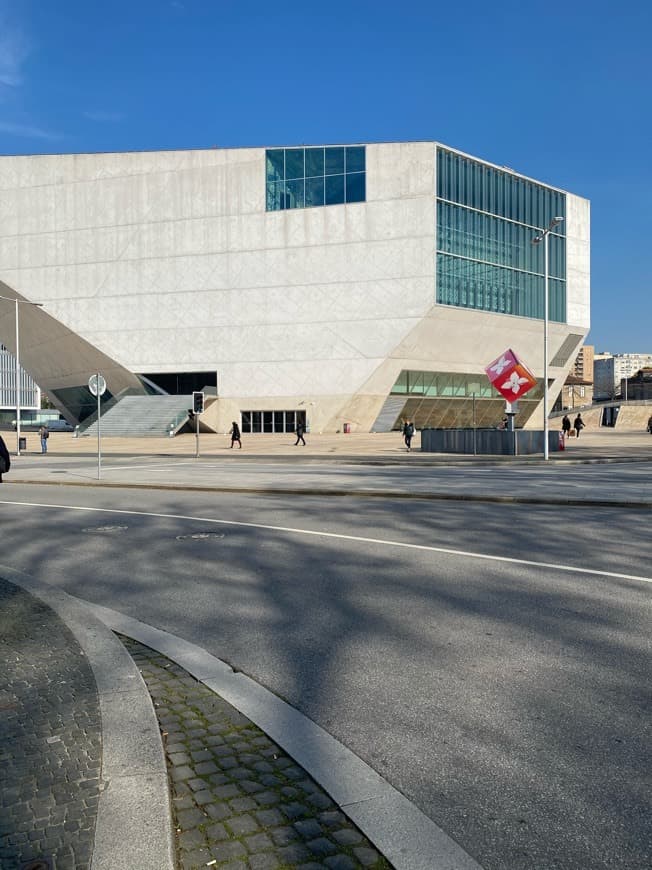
(198, 403)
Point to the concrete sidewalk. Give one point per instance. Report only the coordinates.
(367, 466)
(600, 445)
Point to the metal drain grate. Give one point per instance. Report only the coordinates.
(92, 529)
(199, 536)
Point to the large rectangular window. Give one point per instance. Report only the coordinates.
(308, 177)
(486, 220)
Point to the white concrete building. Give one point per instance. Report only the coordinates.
(611, 370)
(349, 284)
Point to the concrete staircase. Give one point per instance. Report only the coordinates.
(146, 416)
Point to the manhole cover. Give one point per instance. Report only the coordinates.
(105, 529)
(199, 536)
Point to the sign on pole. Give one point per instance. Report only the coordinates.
(97, 386)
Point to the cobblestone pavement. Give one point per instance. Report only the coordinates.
(50, 740)
(239, 801)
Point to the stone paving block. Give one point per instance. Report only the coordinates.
(230, 849)
(217, 832)
(347, 836)
(258, 809)
(258, 843)
(266, 861)
(321, 846)
(308, 828)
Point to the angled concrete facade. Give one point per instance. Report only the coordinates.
(171, 262)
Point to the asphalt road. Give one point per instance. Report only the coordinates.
(509, 700)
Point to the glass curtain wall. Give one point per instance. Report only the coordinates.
(447, 400)
(309, 177)
(486, 220)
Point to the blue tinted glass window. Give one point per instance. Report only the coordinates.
(294, 167)
(334, 189)
(334, 161)
(294, 194)
(275, 164)
(314, 191)
(308, 177)
(314, 162)
(355, 186)
(355, 159)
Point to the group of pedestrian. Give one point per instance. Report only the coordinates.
(236, 437)
(577, 425)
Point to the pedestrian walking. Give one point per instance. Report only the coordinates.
(235, 435)
(5, 461)
(649, 425)
(565, 425)
(578, 425)
(408, 433)
(44, 434)
(299, 433)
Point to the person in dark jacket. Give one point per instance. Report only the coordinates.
(235, 435)
(5, 460)
(408, 433)
(578, 425)
(299, 432)
(566, 425)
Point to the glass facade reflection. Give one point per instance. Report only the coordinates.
(486, 219)
(447, 400)
(309, 177)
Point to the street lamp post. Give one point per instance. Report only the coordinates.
(17, 359)
(542, 236)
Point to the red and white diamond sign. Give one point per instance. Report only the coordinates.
(510, 376)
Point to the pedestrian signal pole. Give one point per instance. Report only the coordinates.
(197, 409)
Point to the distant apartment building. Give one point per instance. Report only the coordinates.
(583, 365)
(610, 370)
(30, 394)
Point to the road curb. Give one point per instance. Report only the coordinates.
(134, 822)
(355, 493)
(400, 831)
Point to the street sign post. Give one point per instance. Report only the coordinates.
(97, 386)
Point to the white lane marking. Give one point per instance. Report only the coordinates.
(357, 538)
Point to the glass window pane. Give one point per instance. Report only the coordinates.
(314, 191)
(275, 196)
(268, 421)
(278, 421)
(334, 189)
(255, 421)
(355, 187)
(294, 163)
(334, 161)
(275, 164)
(294, 194)
(355, 159)
(314, 162)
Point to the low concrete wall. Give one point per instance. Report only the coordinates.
(488, 442)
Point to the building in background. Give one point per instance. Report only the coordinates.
(583, 365)
(353, 284)
(30, 394)
(611, 372)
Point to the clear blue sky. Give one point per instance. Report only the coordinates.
(561, 91)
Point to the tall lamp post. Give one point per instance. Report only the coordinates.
(17, 358)
(542, 236)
